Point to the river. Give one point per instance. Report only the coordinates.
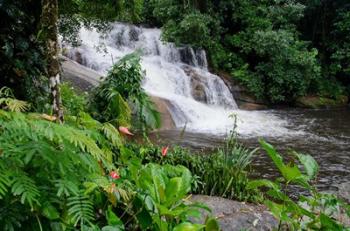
(325, 135)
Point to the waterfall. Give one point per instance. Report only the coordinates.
(198, 99)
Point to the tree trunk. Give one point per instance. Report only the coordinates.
(49, 19)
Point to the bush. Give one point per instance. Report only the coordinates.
(284, 68)
(120, 96)
(62, 177)
(222, 173)
(72, 101)
(194, 29)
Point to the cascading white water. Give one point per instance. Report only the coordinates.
(200, 100)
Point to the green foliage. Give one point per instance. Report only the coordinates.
(318, 211)
(194, 29)
(9, 102)
(21, 53)
(159, 199)
(73, 102)
(53, 177)
(326, 25)
(120, 96)
(222, 173)
(286, 69)
(45, 168)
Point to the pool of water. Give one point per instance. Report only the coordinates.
(324, 134)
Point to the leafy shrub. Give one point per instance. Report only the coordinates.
(194, 29)
(284, 68)
(21, 54)
(55, 177)
(44, 167)
(158, 200)
(120, 95)
(72, 101)
(319, 211)
(222, 173)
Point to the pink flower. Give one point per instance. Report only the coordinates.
(165, 150)
(125, 131)
(114, 175)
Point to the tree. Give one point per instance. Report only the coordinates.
(50, 34)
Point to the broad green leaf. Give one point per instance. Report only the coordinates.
(173, 190)
(212, 225)
(50, 211)
(186, 226)
(328, 223)
(310, 165)
(289, 172)
(113, 220)
(260, 183)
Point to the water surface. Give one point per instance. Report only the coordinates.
(324, 134)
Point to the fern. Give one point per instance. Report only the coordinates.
(8, 101)
(42, 161)
(80, 210)
(25, 187)
(112, 134)
(66, 187)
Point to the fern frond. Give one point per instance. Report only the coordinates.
(14, 105)
(5, 183)
(80, 210)
(66, 187)
(118, 106)
(112, 134)
(25, 187)
(8, 101)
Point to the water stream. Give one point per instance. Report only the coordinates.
(202, 102)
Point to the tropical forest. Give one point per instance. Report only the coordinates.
(174, 115)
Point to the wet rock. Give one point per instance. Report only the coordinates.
(193, 57)
(244, 99)
(198, 92)
(344, 192)
(236, 216)
(252, 106)
(162, 106)
(79, 76)
(198, 87)
(134, 33)
(321, 102)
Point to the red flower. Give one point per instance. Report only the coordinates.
(114, 175)
(165, 150)
(125, 131)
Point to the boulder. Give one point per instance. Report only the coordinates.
(236, 216)
(198, 87)
(162, 106)
(244, 99)
(344, 191)
(321, 102)
(78, 75)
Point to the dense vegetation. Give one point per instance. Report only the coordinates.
(279, 50)
(82, 173)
